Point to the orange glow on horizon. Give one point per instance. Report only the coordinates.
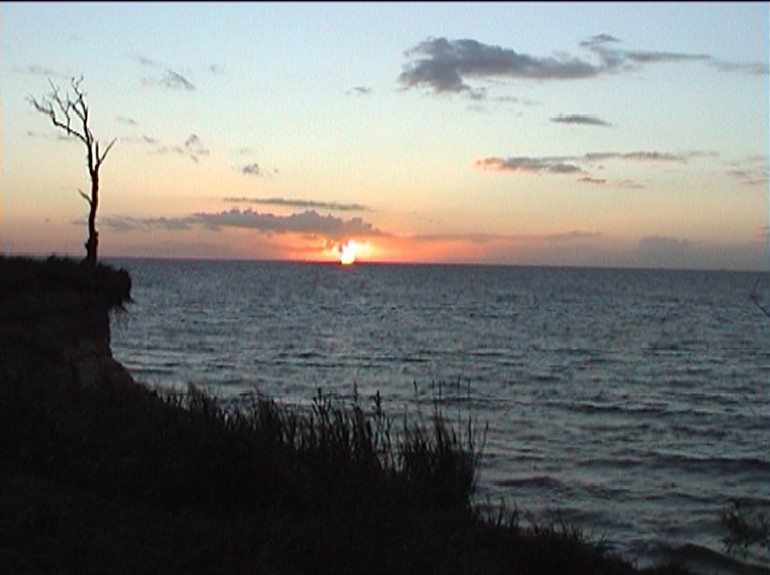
(348, 255)
(350, 251)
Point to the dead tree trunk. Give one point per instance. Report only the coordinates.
(63, 111)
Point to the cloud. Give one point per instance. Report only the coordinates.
(441, 65)
(569, 236)
(624, 183)
(662, 250)
(175, 81)
(528, 165)
(629, 184)
(144, 61)
(752, 171)
(749, 177)
(36, 70)
(127, 121)
(575, 164)
(590, 180)
(360, 91)
(483, 238)
(444, 66)
(193, 148)
(600, 39)
(128, 224)
(144, 139)
(654, 157)
(251, 169)
(662, 243)
(753, 68)
(300, 204)
(614, 59)
(655, 57)
(580, 119)
(170, 78)
(308, 222)
(53, 136)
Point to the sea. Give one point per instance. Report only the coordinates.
(633, 404)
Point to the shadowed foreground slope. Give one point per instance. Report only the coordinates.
(111, 477)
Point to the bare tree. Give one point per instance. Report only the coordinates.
(64, 111)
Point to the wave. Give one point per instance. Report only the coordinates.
(704, 561)
(538, 481)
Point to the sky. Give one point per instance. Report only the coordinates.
(577, 134)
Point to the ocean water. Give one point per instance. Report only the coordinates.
(632, 403)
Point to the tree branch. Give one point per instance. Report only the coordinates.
(100, 158)
(60, 116)
(85, 196)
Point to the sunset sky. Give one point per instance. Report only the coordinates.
(599, 134)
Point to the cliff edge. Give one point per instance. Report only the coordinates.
(55, 322)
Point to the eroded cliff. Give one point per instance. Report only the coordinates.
(55, 321)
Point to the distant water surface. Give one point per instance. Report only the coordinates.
(634, 403)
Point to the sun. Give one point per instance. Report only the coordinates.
(348, 253)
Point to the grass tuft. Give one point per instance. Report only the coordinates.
(120, 478)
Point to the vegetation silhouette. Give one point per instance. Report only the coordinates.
(746, 528)
(120, 478)
(64, 111)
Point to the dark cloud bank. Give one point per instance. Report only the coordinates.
(445, 66)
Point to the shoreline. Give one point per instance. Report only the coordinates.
(36, 488)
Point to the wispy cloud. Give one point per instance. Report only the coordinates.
(359, 91)
(253, 169)
(583, 165)
(752, 171)
(128, 223)
(169, 78)
(445, 66)
(483, 238)
(193, 148)
(628, 184)
(623, 183)
(54, 136)
(36, 70)
(570, 236)
(617, 59)
(754, 68)
(143, 139)
(144, 61)
(127, 121)
(590, 180)
(574, 164)
(583, 119)
(750, 177)
(291, 203)
(175, 81)
(528, 165)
